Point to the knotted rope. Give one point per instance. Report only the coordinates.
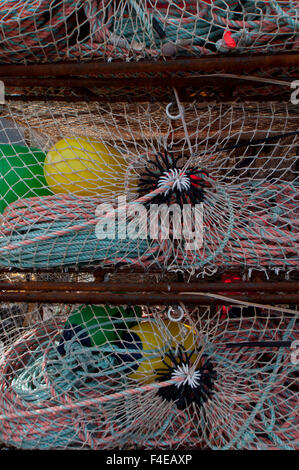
(72, 29)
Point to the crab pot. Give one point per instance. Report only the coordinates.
(142, 377)
(104, 185)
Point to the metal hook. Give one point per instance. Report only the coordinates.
(171, 116)
(176, 319)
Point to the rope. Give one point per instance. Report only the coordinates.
(73, 29)
(51, 219)
(60, 231)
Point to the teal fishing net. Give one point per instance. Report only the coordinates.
(101, 377)
(39, 31)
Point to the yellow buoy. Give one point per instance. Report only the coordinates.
(147, 343)
(181, 334)
(184, 335)
(85, 167)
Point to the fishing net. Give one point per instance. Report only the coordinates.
(188, 186)
(139, 377)
(42, 31)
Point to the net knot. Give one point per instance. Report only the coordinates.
(188, 377)
(175, 181)
(196, 384)
(181, 181)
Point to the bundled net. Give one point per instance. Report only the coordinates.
(192, 187)
(42, 31)
(138, 377)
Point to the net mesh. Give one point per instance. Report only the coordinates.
(235, 166)
(39, 31)
(102, 376)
